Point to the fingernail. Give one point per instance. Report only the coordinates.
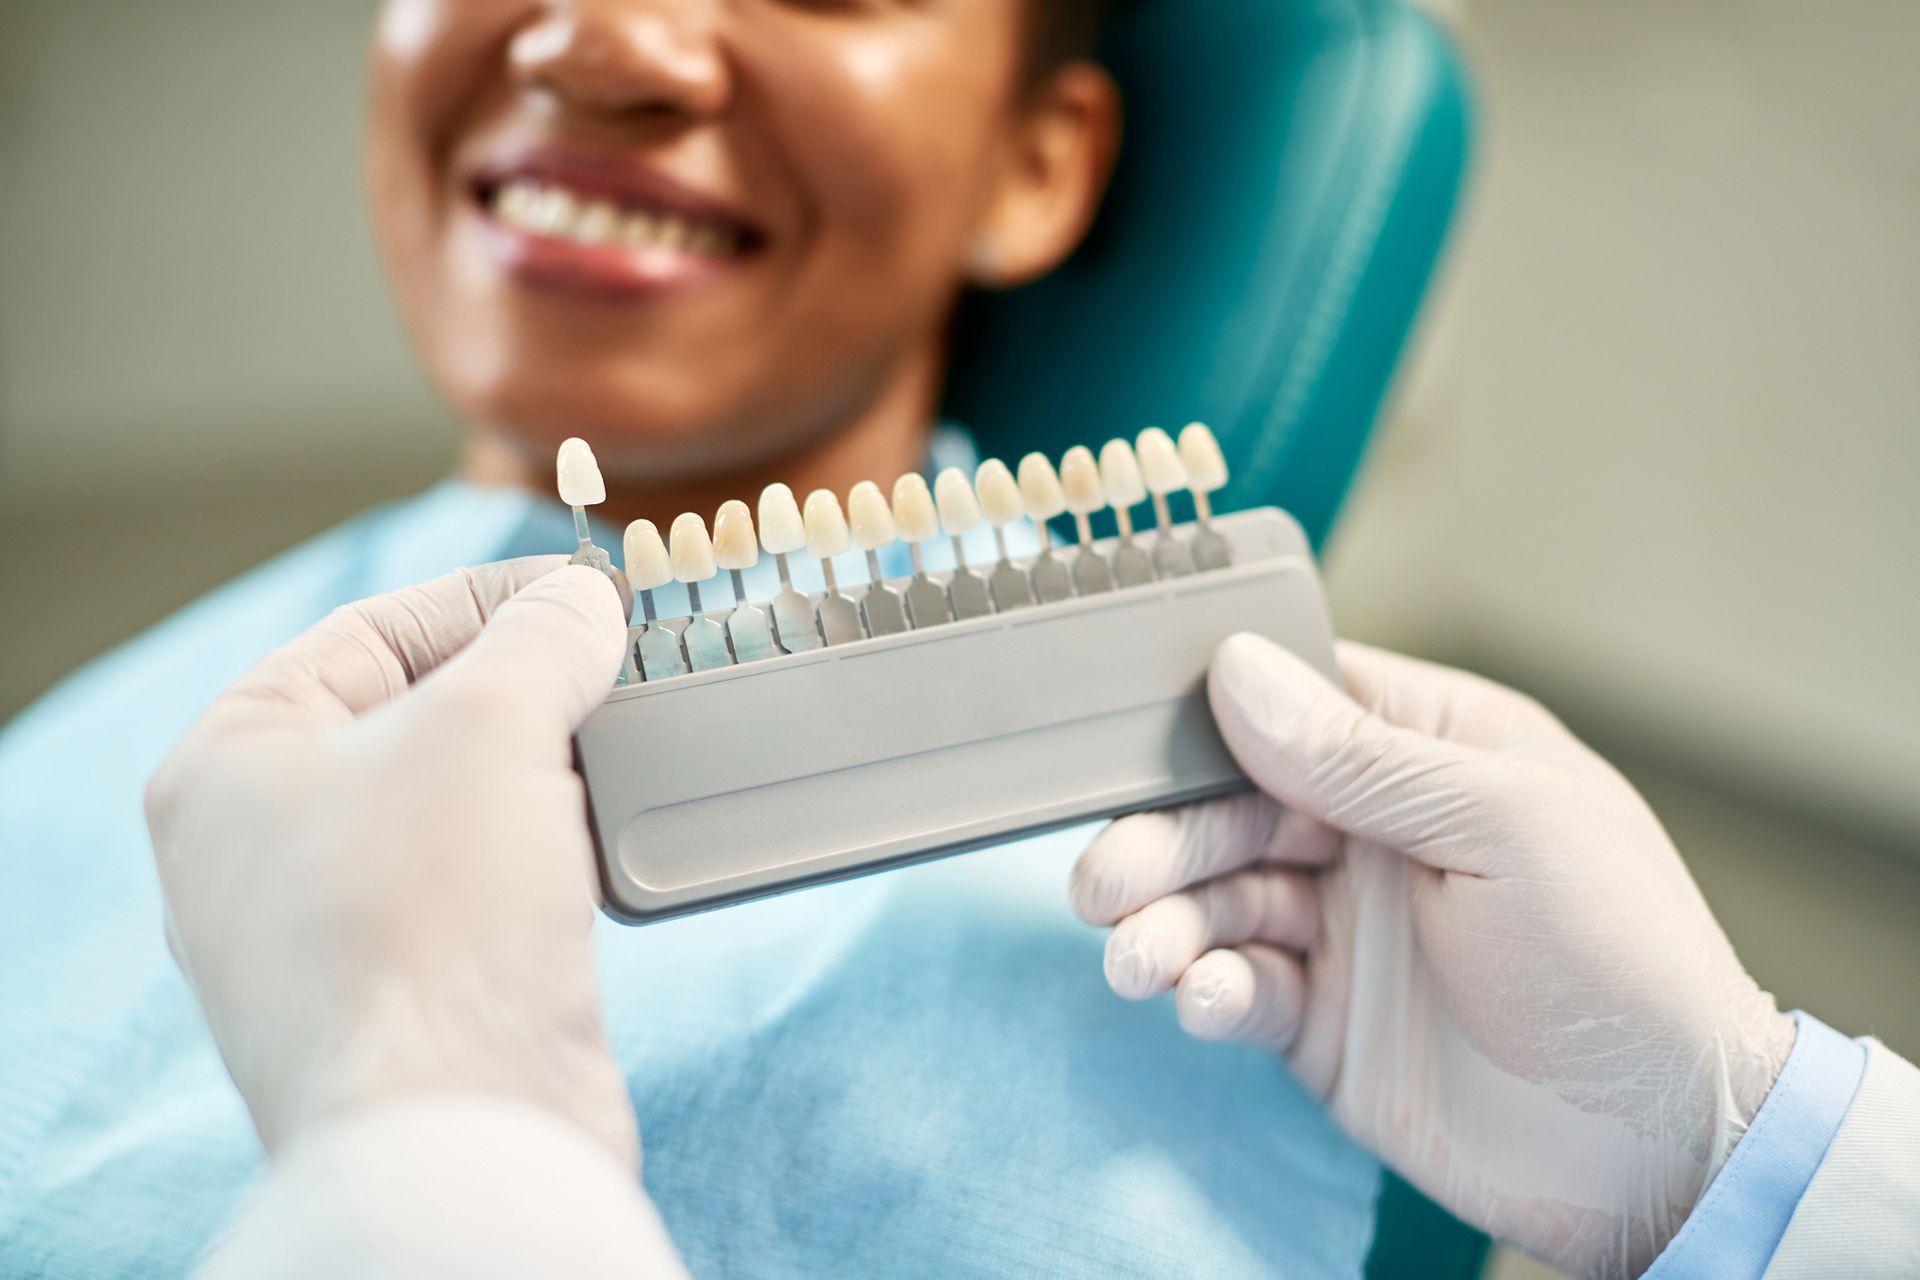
(1130, 972)
(1208, 1008)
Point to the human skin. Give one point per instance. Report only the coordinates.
(871, 158)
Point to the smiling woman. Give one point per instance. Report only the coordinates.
(666, 226)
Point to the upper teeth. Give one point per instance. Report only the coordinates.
(554, 211)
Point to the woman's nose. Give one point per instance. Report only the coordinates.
(618, 57)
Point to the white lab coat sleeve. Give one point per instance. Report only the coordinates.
(1860, 1216)
(471, 1186)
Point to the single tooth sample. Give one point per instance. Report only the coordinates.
(915, 522)
(1000, 500)
(735, 549)
(1206, 473)
(960, 515)
(1161, 468)
(1080, 482)
(783, 532)
(648, 568)
(693, 563)
(827, 537)
(1120, 476)
(581, 486)
(1040, 490)
(872, 519)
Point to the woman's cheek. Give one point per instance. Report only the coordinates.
(883, 129)
(433, 60)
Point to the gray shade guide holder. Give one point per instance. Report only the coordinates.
(1091, 572)
(723, 786)
(1052, 580)
(1210, 549)
(1132, 567)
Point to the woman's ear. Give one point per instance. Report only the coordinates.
(1053, 170)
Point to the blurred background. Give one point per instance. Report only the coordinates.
(1656, 459)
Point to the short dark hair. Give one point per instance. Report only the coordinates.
(1058, 31)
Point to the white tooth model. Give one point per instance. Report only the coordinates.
(915, 521)
(649, 568)
(1164, 473)
(582, 486)
(783, 532)
(872, 519)
(1206, 475)
(1002, 504)
(1126, 489)
(737, 549)
(691, 555)
(1080, 483)
(827, 537)
(1040, 489)
(959, 511)
(1119, 477)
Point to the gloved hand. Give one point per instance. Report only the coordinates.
(381, 889)
(1467, 933)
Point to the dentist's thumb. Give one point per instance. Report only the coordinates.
(543, 661)
(1308, 744)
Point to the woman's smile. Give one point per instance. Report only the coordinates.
(602, 226)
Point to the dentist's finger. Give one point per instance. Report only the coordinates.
(1149, 950)
(368, 653)
(1149, 855)
(1253, 993)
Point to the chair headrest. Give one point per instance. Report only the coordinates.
(1287, 176)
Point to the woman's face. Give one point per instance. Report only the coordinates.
(699, 231)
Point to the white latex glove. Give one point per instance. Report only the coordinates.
(383, 891)
(1467, 933)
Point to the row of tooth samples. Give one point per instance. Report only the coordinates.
(1122, 477)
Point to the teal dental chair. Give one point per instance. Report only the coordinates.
(1288, 175)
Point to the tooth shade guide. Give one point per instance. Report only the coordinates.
(782, 532)
(1052, 578)
(750, 634)
(870, 520)
(954, 507)
(967, 590)
(1206, 468)
(987, 730)
(881, 608)
(1009, 586)
(704, 639)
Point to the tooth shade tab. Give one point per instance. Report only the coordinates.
(734, 544)
(870, 515)
(1080, 481)
(826, 526)
(958, 506)
(1160, 464)
(1040, 487)
(692, 555)
(1120, 473)
(581, 484)
(914, 517)
(782, 531)
(1206, 465)
(647, 563)
(999, 493)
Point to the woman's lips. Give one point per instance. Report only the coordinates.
(619, 237)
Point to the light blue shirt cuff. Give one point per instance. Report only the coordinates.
(1732, 1233)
